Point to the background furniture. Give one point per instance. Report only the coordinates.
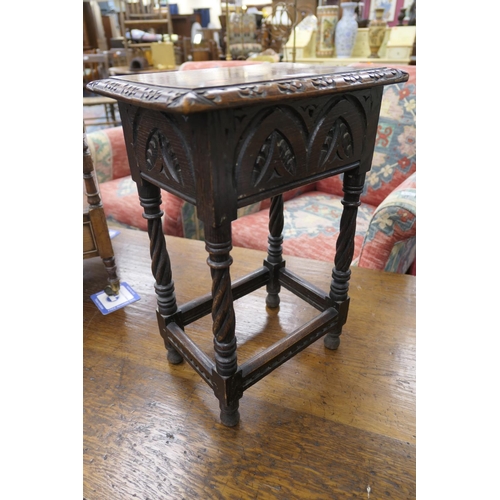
(182, 23)
(182, 27)
(386, 224)
(149, 15)
(95, 67)
(94, 37)
(278, 27)
(144, 16)
(107, 113)
(96, 239)
(105, 110)
(244, 37)
(347, 421)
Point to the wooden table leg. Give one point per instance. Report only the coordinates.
(353, 187)
(275, 250)
(218, 245)
(150, 198)
(98, 220)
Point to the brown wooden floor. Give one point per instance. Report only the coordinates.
(325, 425)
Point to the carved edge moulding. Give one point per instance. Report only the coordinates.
(185, 101)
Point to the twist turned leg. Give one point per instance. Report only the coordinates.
(275, 249)
(353, 187)
(218, 245)
(150, 199)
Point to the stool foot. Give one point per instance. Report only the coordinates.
(272, 300)
(229, 414)
(174, 357)
(332, 340)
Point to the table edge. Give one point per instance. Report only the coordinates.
(186, 101)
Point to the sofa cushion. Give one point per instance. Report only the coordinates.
(394, 157)
(288, 195)
(310, 229)
(109, 153)
(191, 227)
(121, 205)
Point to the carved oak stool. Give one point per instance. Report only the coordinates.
(228, 137)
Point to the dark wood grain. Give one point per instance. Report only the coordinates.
(324, 425)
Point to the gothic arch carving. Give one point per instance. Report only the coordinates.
(332, 139)
(162, 151)
(273, 147)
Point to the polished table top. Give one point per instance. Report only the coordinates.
(206, 89)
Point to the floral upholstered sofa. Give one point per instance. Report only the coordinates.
(386, 224)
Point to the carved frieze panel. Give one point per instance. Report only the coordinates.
(268, 146)
(273, 150)
(297, 142)
(332, 143)
(162, 151)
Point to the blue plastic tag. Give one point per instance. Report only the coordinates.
(109, 303)
(113, 233)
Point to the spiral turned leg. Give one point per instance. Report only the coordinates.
(150, 199)
(275, 248)
(218, 245)
(353, 187)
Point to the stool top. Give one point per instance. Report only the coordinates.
(215, 88)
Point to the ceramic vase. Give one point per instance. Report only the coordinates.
(376, 32)
(328, 16)
(346, 30)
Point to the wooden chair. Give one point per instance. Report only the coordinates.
(96, 67)
(147, 16)
(96, 239)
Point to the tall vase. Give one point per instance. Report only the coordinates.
(376, 32)
(346, 30)
(328, 16)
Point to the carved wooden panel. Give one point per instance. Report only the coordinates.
(163, 152)
(271, 146)
(282, 144)
(273, 150)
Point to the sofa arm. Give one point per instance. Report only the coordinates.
(390, 242)
(108, 150)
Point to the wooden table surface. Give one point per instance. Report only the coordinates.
(325, 425)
